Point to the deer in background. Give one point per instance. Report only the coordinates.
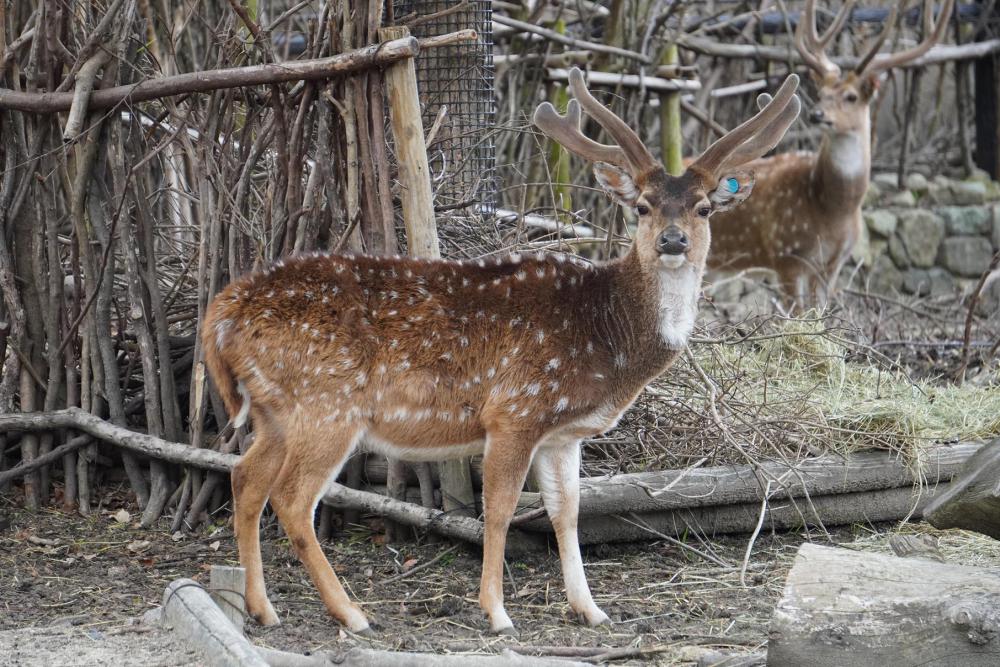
(804, 217)
(518, 358)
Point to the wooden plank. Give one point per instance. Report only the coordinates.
(973, 500)
(844, 607)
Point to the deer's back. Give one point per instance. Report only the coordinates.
(423, 354)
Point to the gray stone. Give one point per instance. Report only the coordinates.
(898, 252)
(726, 289)
(980, 175)
(933, 282)
(876, 248)
(939, 193)
(881, 222)
(884, 277)
(886, 181)
(968, 193)
(759, 300)
(966, 256)
(902, 199)
(921, 233)
(862, 247)
(966, 220)
(916, 181)
(996, 227)
(873, 194)
(992, 191)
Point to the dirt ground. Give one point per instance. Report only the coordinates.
(73, 590)
(65, 572)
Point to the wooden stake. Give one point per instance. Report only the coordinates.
(227, 586)
(418, 216)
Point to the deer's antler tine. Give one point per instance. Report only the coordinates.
(879, 41)
(767, 138)
(639, 157)
(933, 32)
(716, 155)
(566, 131)
(809, 44)
(836, 26)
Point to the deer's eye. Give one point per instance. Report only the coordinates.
(851, 97)
(705, 211)
(642, 209)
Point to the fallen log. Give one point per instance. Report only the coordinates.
(864, 487)
(843, 607)
(736, 484)
(793, 514)
(458, 527)
(972, 501)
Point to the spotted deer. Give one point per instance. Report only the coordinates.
(804, 217)
(517, 358)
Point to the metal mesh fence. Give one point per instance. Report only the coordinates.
(459, 106)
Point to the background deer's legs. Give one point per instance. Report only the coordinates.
(251, 480)
(505, 466)
(557, 471)
(313, 457)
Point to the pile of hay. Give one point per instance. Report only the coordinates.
(787, 388)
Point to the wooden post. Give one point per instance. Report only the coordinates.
(408, 131)
(671, 139)
(558, 157)
(227, 586)
(421, 227)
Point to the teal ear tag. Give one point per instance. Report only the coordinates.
(733, 185)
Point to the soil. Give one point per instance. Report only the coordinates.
(67, 575)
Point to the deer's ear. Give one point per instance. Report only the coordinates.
(871, 83)
(617, 183)
(732, 190)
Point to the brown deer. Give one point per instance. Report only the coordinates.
(517, 358)
(804, 217)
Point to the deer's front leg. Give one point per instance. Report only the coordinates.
(505, 466)
(557, 472)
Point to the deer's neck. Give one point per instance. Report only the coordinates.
(842, 169)
(651, 312)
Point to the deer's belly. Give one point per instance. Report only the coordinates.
(416, 444)
(596, 422)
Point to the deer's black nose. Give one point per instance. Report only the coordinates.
(816, 116)
(673, 242)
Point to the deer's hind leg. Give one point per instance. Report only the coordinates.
(313, 457)
(251, 479)
(505, 467)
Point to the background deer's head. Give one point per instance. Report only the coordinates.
(843, 99)
(672, 211)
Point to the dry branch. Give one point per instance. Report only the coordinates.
(939, 54)
(459, 527)
(376, 55)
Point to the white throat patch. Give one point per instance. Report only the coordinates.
(678, 305)
(847, 155)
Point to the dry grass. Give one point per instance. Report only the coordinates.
(772, 387)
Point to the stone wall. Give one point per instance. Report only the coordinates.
(933, 238)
